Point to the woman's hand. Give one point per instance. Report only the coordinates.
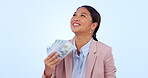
(50, 63)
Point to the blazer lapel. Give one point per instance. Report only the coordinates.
(68, 63)
(91, 59)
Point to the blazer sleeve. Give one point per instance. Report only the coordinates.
(52, 76)
(109, 68)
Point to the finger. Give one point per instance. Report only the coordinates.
(53, 57)
(56, 61)
(50, 56)
(53, 63)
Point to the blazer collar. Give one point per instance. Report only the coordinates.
(90, 62)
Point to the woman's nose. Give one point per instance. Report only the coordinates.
(76, 18)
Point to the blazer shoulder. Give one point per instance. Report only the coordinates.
(103, 49)
(103, 45)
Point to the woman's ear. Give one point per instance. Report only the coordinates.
(94, 25)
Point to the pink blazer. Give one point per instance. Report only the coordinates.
(100, 63)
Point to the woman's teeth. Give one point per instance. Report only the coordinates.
(75, 24)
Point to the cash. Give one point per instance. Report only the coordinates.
(62, 47)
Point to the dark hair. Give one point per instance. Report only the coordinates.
(95, 18)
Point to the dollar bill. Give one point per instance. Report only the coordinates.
(62, 47)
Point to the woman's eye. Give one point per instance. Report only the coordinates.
(82, 15)
(74, 14)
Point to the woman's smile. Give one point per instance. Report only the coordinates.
(76, 24)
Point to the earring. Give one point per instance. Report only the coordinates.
(90, 31)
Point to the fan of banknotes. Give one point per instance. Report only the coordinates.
(63, 47)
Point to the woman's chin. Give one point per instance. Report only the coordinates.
(77, 33)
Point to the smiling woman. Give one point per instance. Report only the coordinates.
(90, 58)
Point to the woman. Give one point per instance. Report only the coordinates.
(91, 58)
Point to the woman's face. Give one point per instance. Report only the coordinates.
(81, 21)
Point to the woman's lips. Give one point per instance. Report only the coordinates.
(76, 24)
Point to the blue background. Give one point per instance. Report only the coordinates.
(27, 27)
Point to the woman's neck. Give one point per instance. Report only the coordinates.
(81, 40)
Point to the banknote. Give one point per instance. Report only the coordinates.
(62, 47)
